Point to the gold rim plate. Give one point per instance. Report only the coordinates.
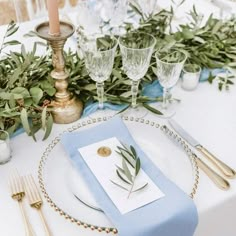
(168, 151)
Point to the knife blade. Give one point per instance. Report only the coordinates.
(220, 165)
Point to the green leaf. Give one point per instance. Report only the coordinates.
(127, 171)
(120, 169)
(36, 94)
(1, 124)
(50, 91)
(12, 42)
(121, 177)
(155, 111)
(211, 78)
(137, 167)
(120, 186)
(24, 120)
(199, 39)
(127, 156)
(12, 102)
(11, 31)
(220, 86)
(28, 102)
(48, 127)
(44, 117)
(138, 189)
(23, 92)
(230, 82)
(217, 27)
(187, 34)
(5, 96)
(116, 73)
(31, 33)
(133, 151)
(11, 129)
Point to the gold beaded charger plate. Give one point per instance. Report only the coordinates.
(62, 186)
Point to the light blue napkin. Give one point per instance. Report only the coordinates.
(173, 215)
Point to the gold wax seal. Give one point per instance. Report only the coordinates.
(104, 151)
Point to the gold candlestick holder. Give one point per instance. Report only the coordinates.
(66, 107)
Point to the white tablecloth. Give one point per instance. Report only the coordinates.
(206, 113)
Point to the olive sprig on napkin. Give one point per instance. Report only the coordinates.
(130, 169)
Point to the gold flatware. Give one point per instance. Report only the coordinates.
(35, 200)
(220, 165)
(218, 180)
(18, 193)
(225, 169)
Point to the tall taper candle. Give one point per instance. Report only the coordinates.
(54, 25)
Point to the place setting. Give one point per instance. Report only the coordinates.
(117, 155)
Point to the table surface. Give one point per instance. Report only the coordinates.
(209, 115)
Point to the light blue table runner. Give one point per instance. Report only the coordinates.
(173, 215)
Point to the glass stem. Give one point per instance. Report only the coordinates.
(134, 92)
(100, 93)
(165, 98)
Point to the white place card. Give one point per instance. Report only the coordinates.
(104, 169)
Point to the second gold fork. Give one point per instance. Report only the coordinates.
(35, 199)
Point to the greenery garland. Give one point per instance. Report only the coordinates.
(26, 87)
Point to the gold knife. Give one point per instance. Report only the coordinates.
(219, 181)
(222, 167)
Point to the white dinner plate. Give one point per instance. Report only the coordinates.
(60, 183)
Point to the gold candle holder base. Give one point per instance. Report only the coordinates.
(66, 107)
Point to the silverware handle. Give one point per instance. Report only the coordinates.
(28, 229)
(219, 181)
(225, 169)
(45, 225)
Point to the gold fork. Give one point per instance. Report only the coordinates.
(35, 199)
(18, 193)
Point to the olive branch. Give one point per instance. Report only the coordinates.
(130, 169)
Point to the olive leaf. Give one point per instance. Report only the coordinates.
(11, 29)
(130, 169)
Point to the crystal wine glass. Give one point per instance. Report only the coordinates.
(136, 50)
(147, 7)
(99, 63)
(169, 67)
(114, 12)
(88, 18)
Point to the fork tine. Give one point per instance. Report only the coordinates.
(31, 189)
(28, 190)
(10, 184)
(15, 183)
(35, 188)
